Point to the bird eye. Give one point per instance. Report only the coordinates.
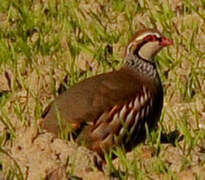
(150, 38)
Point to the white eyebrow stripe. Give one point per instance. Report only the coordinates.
(146, 34)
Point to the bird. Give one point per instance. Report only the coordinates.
(113, 108)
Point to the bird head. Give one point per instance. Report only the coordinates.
(146, 44)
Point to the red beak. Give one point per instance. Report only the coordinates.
(166, 42)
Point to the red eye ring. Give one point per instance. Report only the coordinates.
(162, 40)
(150, 38)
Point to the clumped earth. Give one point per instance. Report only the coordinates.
(47, 46)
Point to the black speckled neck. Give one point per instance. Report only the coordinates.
(143, 66)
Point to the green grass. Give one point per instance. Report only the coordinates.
(33, 34)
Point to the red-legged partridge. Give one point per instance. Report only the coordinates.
(112, 108)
